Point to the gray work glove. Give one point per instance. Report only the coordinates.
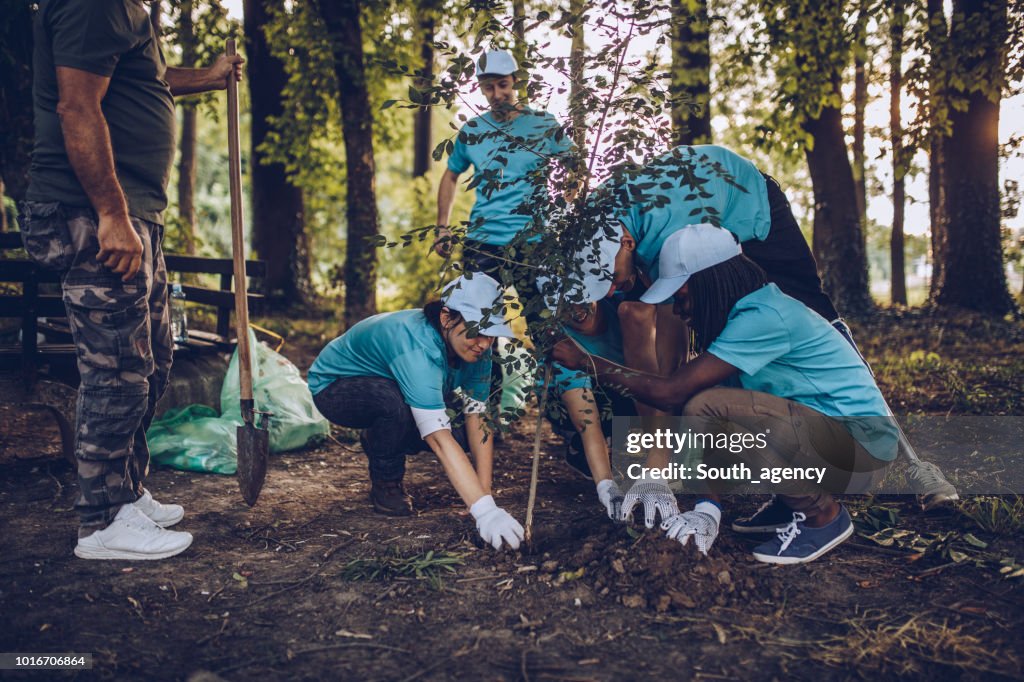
(656, 497)
(495, 524)
(701, 524)
(611, 497)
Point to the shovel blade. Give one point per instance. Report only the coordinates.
(253, 449)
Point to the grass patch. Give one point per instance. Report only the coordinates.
(432, 567)
(995, 514)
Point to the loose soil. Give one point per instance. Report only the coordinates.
(288, 590)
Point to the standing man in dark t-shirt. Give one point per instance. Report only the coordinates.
(104, 120)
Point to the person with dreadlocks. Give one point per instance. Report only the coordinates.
(804, 387)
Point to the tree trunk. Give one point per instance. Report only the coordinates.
(187, 40)
(16, 125)
(278, 227)
(691, 72)
(342, 20)
(860, 103)
(899, 162)
(937, 45)
(422, 140)
(577, 76)
(519, 46)
(974, 275)
(838, 239)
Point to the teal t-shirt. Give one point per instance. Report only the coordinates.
(782, 347)
(508, 159)
(112, 38)
(401, 346)
(686, 186)
(606, 344)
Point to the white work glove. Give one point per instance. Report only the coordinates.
(701, 524)
(611, 497)
(495, 524)
(655, 495)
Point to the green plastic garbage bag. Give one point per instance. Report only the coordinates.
(195, 438)
(277, 387)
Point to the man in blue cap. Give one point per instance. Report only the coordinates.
(508, 147)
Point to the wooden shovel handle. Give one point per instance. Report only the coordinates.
(238, 244)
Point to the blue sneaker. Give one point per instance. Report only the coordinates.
(771, 516)
(799, 544)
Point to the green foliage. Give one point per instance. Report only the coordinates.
(992, 514)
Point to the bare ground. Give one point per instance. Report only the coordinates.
(311, 584)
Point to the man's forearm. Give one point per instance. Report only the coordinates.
(649, 388)
(87, 141)
(445, 197)
(191, 81)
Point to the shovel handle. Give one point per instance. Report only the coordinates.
(238, 245)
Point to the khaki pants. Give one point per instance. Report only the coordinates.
(796, 436)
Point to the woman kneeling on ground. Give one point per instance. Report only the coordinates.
(805, 389)
(390, 375)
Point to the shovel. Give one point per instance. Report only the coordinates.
(253, 439)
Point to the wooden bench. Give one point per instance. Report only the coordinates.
(24, 355)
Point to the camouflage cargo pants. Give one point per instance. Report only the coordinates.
(123, 339)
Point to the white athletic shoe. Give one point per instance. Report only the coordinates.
(163, 515)
(132, 536)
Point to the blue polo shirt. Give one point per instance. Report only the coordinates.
(782, 347)
(686, 186)
(508, 160)
(401, 346)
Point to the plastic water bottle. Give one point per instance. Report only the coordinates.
(179, 320)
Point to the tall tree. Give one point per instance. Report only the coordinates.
(691, 72)
(900, 162)
(426, 15)
(278, 225)
(577, 74)
(342, 21)
(974, 275)
(860, 104)
(937, 37)
(16, 126)
(519, 48)
(811, 49)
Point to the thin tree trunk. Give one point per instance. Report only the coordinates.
(422, 139)
(278, 225)
(4, 227)
(860, 103)
(519, 46)
(342, 18)
(187, 144)
(937, 33)
(691, 72)
(838, 239)
(974, 272)
(577, 76)
(899, 163)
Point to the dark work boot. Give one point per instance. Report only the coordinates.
(388, 497)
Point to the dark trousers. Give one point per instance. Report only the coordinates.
(376, 406)
(786, 258)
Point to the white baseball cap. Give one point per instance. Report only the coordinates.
(496, 63)
(474, 295)
(689, 250)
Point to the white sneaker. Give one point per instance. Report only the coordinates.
(132, 536)
(163, 515)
